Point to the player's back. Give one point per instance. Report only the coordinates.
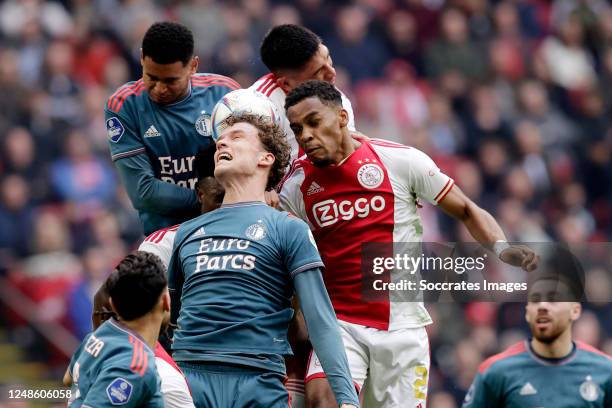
(169, 135)
(114, 366)
(234, 267)
(518, 378)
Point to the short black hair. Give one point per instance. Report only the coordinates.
(326, 92)
(288, 46)
(168, 42)
(136, 284)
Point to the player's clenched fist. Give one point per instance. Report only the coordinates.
(520, 255)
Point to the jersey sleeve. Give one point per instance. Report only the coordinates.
(324, 334)
(122, 387)
(123, 138)
(160, 243)
(300, 251)
(173, 386)
(290, 195)
(416, 171)
(485, 392)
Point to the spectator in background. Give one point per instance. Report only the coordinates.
(394, 104)
(452, 58)
(353, 41)
(402, 41)
(16, 216)
(81, 178)
(96, 268)
(576, 72)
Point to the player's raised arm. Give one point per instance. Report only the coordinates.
(483, 227)
(423, 179)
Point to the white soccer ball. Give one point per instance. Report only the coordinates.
(243, 101)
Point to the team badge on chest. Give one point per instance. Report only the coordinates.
(370, 175)
(256, 231)
(589, 390)
(204, 125)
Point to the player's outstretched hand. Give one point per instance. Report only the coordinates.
(520, 255)
(272, 199)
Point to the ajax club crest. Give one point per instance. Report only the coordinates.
(204, 124)
(370, 175)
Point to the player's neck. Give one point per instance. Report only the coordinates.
(558, 348)
(346, 148)
(243, 190)
(147, 327)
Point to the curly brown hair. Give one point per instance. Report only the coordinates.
(272, 138)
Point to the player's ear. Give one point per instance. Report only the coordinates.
(344, 117)
(166, 301)
(195, 62)
(575, 311)
(266, 159)
(141, 57)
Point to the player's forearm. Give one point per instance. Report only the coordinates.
(324, 334)
(482, 226)
(150, 194)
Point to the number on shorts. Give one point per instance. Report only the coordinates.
(420, 384)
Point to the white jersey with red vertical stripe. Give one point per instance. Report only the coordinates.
(370, 197)
(160, 243)
(268, 86)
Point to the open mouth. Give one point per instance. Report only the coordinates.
(224, 157)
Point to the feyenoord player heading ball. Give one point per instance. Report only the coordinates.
(157, 124)
(353, 190)
(548, 370)
(232, 275)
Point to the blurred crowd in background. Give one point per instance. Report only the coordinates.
(512, 98)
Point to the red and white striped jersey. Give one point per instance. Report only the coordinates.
(267, 85)
(160, 243)
(370, 197)
(174, 387)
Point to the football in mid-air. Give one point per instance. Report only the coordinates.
(243, 101)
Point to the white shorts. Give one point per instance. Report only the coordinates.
(390, 368)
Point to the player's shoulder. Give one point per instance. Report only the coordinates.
(267, 85)
(162, 235)
(125, 94)
(498, 364)
(207, 80)
(294, 177)
(593, 354)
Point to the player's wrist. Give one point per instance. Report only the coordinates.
(500, 246)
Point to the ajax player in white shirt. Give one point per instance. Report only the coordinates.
(294, 54)
(353, 190)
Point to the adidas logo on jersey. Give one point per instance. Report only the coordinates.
(528, 389)
(314, 189)
(152, 132)
(199, 232)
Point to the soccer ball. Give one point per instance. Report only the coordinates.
(243, 101)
